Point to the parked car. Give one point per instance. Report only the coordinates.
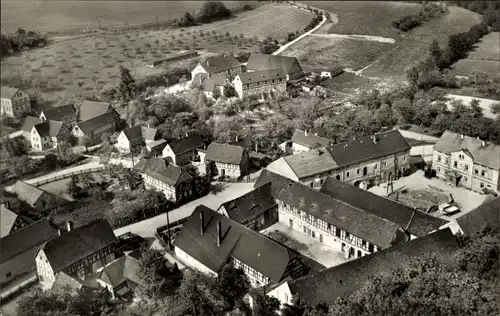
(451, 210)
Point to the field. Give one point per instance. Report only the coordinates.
(64, 15)
(90, 64)
(367, 17)
(485, 57)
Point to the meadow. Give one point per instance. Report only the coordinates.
(91, 64)
(484, 58)
(66, 15)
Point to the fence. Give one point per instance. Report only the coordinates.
(418, 136)
(64, 176)
(161, 232)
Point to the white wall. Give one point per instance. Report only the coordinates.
(193, 263)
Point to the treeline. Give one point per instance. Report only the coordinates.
(315, 21)
(489, 9)
(19, 41)
(210, 11)
(429, 11)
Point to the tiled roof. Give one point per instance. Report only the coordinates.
(476, 220)
(92, 124)
(261, 75)
(264, 62)
(256, 250)
(27, 192)
(186, 144)
(78, 243)
(310, 140)
(121, 270)
(311, 163)
(29, 122)
(277, 181)
(342, 280)
(224, 153)
(250, 205)
(218, 64)
(64, 283)
(488, 155)
(49, 128)
(60, 113)
(26, 238)
(8, 92)
(8, 218)
(157, 145)
(371, 228)
(364, 148)
(140, 132)
(91, 109)
(415, 222)
(162, 170)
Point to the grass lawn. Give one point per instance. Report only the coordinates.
(484, 58)
(347, 83)
(367, 17)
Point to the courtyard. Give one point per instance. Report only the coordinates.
(305, 245)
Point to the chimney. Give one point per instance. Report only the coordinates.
(305, 132)
(462, 136)
(236, 138)
(256, 147)
(59, 232)
(374, 137)
(484, 143)
(202, 220)
(187, 134)
(219, 234)
(69, 225)
(148, 125)
(315, 134)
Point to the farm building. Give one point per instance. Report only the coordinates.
(269, 82)
(15, 102)
(135, 136)
(226, 67)
(227, 160)
(48, 134)
(172, 58)
(66, 114)
(184, 150)
(290, 65)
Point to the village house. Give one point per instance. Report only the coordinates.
(468, 162)
(226, 67)
(227, 160)
(66, 114)
(96, 128)
(135, 137)
(256, 210)
(29, 122)
(10, 221)
(341, 226)
(79, 252)
(19, 248)
(90, 109)
(209, 84)
(161, 175)
(120, 277)
(209, 241)
(14, 102)
(290, 65)
(156, 147)
(37, 198)
(326, 286)
(183, 151)
(304, 141)
(48, 135)
(363, 161)
(268, 84)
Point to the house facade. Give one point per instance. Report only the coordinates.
(80, 252)
(226, 67)
(183, 151)
(135, 137)
(227, 160)
(48, 135)
(160, 175)
(14, 102)
(467, 162)
(266, 83)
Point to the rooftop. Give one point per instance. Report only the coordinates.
(309, 139)
(140, 132)
(60, 113)
(261, 75)
(225, 153)
(8, 218)
(91, 109)
(92, 124)
(49, 128)
(307, 164)
(277, 181)
(121, 270)
(27, 192)
(186, 144)
(486, 215)
(217, 64)
(8, 92)
(29, 122)
(265, 61)
(162, 170)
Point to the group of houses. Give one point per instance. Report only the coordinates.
(262, 75)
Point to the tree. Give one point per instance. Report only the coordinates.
(199, 295)
(127, 85)
(230, 91)
(65, 152)
(436, 53)
(15, 147)
(187, 20)
(266, 305)
(233, 284)
(213, 10)
(73, 189)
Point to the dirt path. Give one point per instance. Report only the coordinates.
(360, 37)
(284, 47)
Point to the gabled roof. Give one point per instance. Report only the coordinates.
(207, 83)
(92, 124)
(162, 170)
(78, 243)
(60, 113)
(26, 238)
(91, 109)
(121, 270)
(157, 145)
(186, 144)
(28, 193)
(256, 250)
(342, 280)
(277, 181)
(264, 62)
(250, 205)
(8, 92)
(29, 122)
(308, 140)
(371, 228)
(7, 220)
(49, 128)
(415, 222)
(487, 155)
(311, 163)
(364, 148)
(486, 215)
(217, 64)
(261, 75)
(225, 153)
(64, 283)
(140, 132)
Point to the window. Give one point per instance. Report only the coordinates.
(337, 233)
(483, 173)
(438, 169)
(476, 171)
(8, 274)
(404, 158)
(455, 164)
(337, 177)
(465, 179)
(347, 235)
(385, 163)
(313, 234)
(375, 167)
(358, 171)
(347, 174)
(370, 248)
(320, 237)
(482, 185)
(439, 158)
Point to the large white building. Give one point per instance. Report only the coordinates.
(468, 162)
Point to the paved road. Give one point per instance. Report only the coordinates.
(359, 37)
(284, 47)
